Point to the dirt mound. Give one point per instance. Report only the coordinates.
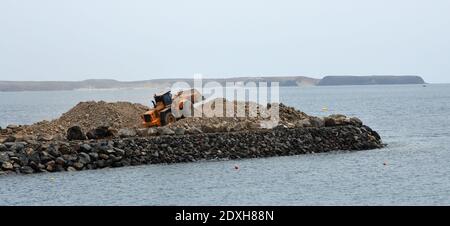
(288, 116)
(90, 115)
(118, 115)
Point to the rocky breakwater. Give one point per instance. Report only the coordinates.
(173, 146)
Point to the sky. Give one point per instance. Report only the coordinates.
(146, 39)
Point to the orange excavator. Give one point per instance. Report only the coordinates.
(162, 113)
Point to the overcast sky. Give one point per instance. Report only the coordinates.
(135, 40)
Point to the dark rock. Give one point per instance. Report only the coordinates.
(330, 122)
(119, 152)
(84, 158)
(60, 161)
(53, 150)
(26, 170)
(3, 148)
(85, 148)
(101, 132)
(4, 157)
(35, 157)
(356, 121)
(75, 133)
(93, 155)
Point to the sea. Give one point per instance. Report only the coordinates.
(413, 169)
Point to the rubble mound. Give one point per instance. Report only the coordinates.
(90, 115)
(100, 119)
(288, 117)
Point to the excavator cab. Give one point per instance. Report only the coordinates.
(165, 98)
(161, 114)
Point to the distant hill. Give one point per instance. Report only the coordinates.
(370, 80)
(10, 86)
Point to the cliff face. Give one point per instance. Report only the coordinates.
(370, 80)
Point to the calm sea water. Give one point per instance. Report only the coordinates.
(412, 120)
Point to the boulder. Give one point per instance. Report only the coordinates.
(84, 158)
(329, 121)
(34, 156)
(152, 132)
(194, 130)
(179, 131)
(317, 122)
(60, 161)
(26, 170)
(3, 148)
(54, 151)
(75, 133)
(4, 157)
(9, 139)
(78, 165)
(7, 166)
(303, 123)
(85, 148)
(125, 132)
(100, 132)
(93, 155)
(165, 131)
(356, 121)
(142, 132)
(337, 120)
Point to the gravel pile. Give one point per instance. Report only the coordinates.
(98, 120)
(88, 115)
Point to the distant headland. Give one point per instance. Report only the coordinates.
(370, 80)
(284, 81)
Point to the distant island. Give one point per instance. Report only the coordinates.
(370, 80)
(284, 81)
